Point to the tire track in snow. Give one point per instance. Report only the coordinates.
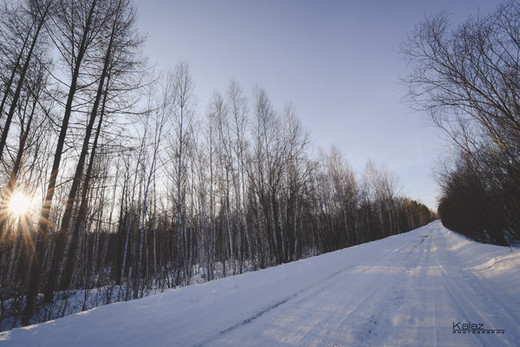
(370, 302)
(271, 307)
(395, 292)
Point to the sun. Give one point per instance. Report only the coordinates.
(19, 204)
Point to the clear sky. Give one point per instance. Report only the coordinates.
(337, 62)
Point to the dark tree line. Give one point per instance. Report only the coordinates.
(468, 78)
(134, 189)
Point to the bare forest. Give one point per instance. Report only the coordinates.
(466, 77)
(115, 184)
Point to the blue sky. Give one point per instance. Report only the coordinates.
(337, 62)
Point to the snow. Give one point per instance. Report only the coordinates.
(405, 290)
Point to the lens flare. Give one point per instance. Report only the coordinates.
(19, 204)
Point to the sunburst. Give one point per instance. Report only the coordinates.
(19, 204)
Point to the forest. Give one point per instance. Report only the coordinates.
(115, 183)
(467, 79)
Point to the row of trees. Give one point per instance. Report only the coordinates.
(134, 189)
(468, 79)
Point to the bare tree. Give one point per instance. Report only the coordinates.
(181, 109)
(237, 108)
(24, 25)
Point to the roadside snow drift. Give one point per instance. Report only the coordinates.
(426, 287)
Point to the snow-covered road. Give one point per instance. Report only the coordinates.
(426, 287)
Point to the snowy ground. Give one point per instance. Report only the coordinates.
(419, 288)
